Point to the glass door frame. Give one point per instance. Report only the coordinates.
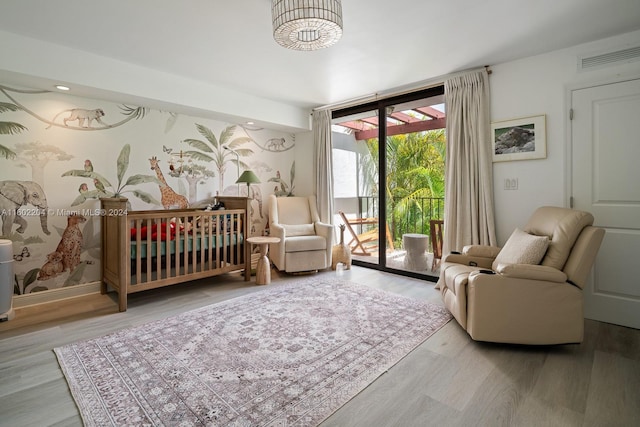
(381, 106)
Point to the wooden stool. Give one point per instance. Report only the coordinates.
(416, 246)
(263, 269)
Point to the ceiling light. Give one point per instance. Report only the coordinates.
(61, 87)
(306, 24)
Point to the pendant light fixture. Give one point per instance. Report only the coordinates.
(306, 24)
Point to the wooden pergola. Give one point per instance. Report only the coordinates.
(401, 122)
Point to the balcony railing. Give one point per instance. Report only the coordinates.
(414, 218)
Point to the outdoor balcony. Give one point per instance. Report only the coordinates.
(362, 233)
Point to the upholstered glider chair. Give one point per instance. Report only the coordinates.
(305, 242)
(529, 291)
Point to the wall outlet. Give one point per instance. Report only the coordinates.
(511, 183)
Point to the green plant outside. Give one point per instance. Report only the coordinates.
(414, 173)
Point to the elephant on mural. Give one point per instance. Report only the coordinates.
(14, 195)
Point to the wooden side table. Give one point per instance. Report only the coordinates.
(263, 269)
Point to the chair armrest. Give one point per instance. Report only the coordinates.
(475, 261)
(481, 251)
(276, 250)
(325, 230)
(533, 272)
(276, 230)
(328, 232)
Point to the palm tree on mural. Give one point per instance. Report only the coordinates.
(212, 150)
(9, 128)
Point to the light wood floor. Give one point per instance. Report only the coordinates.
(449, 380)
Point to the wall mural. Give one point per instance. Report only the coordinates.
(58, 154)
(282, 189)
(100, 183)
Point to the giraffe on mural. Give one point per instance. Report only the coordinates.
(170, 199)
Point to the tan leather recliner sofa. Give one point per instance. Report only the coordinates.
(529, 291)
(305, 242)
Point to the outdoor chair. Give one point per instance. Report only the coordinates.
(367, 242)
(435, 231)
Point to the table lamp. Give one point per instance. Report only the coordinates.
(250, 178)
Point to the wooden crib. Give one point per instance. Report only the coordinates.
(144, 250)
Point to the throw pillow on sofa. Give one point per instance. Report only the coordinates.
(522, 248)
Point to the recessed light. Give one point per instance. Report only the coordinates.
(61, 87)
(250, 123)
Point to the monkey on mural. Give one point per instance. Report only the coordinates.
(83, 116)
(275, 144)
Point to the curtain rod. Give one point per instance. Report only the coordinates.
(424, 84)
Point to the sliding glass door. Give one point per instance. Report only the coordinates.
(414, 176)
(390, 195)
(356, 178)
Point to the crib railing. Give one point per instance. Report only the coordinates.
(144, 250)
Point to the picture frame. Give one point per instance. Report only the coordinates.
(519, 139)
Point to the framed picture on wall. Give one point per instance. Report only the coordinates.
(519, 139)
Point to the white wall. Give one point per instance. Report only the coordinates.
(538, 85)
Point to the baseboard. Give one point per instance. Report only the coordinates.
(55, 294)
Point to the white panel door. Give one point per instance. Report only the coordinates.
(605, 158)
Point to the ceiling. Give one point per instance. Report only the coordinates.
(385, 45)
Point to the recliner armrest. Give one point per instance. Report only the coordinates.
(483, 251)
(533, 272)
(475, 261)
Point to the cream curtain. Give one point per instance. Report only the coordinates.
(323, 164)
(469, 217)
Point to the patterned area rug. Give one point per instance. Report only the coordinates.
(289, 355)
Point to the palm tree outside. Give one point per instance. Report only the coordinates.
(415, 180)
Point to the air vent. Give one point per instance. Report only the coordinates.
(618, 57)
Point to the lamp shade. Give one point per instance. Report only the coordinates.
(305, 24)
(248, 177)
